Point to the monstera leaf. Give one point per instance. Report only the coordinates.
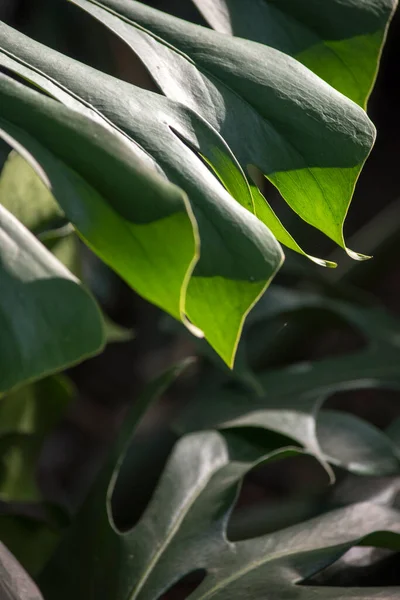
(339, 40)
(277, 116)
(135, 220)
(287, 401)
(106, 147)
(183, 530)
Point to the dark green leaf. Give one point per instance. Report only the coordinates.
(48, 320)
(287, 400)
(31, 540)
(340, 41)
(184, 529)
(129, 149)
(309, 140)
(354, 444)
(19, 455)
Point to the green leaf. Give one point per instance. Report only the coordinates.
(47, 319)
(27, 416)
(354, 444)
(287, 400)
(25, 196)
(341, 41)
(276, 115)
(32, 541)
(129, 150)
(183, 530)
(332, 437)
(15, 584)
(19, 455)
(35, 408)
(116, 333)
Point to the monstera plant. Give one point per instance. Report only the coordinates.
(167, 187)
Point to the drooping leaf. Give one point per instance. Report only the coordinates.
(47, 319)
(341, 41)
(309, 140)
(25, 195)
(15, 584)
(184, 530)
(239, 255)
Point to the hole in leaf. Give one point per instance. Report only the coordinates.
(309, 238)
(360, 567)
(185, 586)
(139, 475)
(199, 155)
(272, 497)
(128, 66)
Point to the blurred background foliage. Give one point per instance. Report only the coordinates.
(85, 406)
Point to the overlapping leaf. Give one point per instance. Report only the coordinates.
(309, 140)
(135, 221)
(184, 530)
(24, 194)
(27, 199)
(47, 319)
(289, 399)
(340, 41)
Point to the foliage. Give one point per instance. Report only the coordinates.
(279, 116)
(167, 188)
(183, 530)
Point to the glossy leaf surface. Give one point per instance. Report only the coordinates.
(154, 227)
(340, 41)
(276, 115)
(183, 530)
(287, 400)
